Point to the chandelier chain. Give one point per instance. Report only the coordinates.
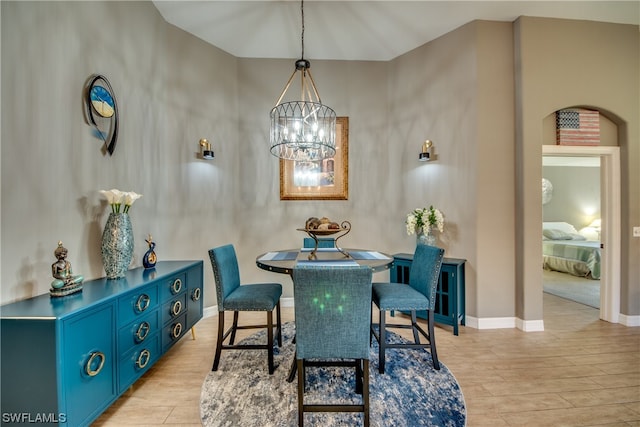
(302, 36)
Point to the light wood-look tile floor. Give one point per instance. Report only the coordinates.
(580, 371)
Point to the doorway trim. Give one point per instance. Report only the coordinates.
(610, 215)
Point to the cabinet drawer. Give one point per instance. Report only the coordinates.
(138, 331)
(89, 364)
(136, 303)
(173, 286)
(174, 307)
(173, 331)
(138, 360)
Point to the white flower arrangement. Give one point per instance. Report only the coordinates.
(424, 219)
(116, 198)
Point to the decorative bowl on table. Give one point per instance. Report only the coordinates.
(321, 232)
(315, 227)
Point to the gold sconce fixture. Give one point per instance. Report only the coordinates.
(205, 149)
(425, 154)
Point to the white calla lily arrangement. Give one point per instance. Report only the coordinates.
(117, 198)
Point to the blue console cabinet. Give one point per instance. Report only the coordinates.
(450, 309)
(65, 360)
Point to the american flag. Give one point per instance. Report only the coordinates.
(577, 127)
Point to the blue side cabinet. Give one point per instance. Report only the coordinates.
(65, 360)
(450, 309)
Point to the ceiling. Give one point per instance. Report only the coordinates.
(360, 30)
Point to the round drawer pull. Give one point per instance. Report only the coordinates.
(143, 303)
(195, 296)
(143, 359)
(176, 286)
(143, 330)
(88, 367)
(176, 330)
(176, 308)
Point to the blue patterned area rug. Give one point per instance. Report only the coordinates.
(409, 393)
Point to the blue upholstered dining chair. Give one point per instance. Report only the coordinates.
(419, 294)
(324, 242)
(232, 296)
(333, 314)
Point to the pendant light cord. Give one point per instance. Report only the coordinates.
(302, 14)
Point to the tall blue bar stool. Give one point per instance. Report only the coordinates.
(419, 294)
(232, 296)
(333, 314)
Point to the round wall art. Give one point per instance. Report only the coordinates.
(547, 191)
(101, 110)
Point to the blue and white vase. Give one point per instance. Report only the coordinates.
(117, 245)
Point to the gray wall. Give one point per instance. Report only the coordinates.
(567, 64)
(174, 89)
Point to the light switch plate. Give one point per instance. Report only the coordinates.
(636, 231)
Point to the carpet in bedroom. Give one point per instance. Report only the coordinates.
(410, 393)
(578, 289)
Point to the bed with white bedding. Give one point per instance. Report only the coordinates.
(565, 250)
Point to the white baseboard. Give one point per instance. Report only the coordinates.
(629, 320)
(286, 302)
(490, 322)
(530, 325)
(210, 311)
(505, 323)
(213, 310)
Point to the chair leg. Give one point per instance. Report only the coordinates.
(414, 328)
(292, 370)
(234, 328)
(279, 324)
(432, 341)
(216, 359)
(365, 391)
(300, 367)
(270, 341)
(359, 376)
(382, 342)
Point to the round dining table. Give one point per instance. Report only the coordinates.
(284, 261)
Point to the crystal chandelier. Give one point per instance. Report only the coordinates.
(303, 130)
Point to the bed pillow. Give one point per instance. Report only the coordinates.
(562, 226)
(590, 233)
(553, 234)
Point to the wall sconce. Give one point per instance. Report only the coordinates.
(425, 155)
(205, 149)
